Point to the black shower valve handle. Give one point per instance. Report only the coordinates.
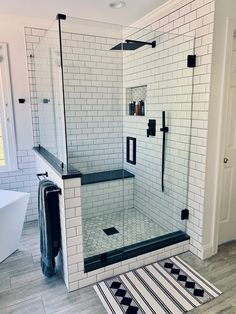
(151, 128)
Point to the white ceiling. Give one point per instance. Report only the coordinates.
(88, 9)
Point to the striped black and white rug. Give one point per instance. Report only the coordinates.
(169, 286)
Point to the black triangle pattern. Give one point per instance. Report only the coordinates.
(124, 300)
(184, 279)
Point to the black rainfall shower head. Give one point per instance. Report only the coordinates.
(133, 45)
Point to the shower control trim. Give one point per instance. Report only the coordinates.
(151, 131)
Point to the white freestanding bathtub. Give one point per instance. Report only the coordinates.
(12, 215)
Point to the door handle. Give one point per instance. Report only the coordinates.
(226, 160)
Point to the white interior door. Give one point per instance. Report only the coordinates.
(227, 231)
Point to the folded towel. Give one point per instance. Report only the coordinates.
(49, 225)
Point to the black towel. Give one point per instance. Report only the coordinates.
(49, 225)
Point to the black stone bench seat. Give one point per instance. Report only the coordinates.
(105, 176)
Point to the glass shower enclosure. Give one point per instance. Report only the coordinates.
(115, 103)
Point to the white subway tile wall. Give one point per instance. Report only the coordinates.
(32, 39)
(24, 180)
(195, 18)
(48, 76)
(93, 76)
(107, 197)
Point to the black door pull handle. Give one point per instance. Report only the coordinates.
(164, 129)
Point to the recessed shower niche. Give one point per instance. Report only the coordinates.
(136, 99)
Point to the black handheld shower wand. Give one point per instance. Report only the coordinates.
(165, 130)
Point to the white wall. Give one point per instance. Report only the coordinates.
(12, 32)
(224, 9)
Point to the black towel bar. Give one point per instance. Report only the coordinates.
(54, 191)
(45, 174)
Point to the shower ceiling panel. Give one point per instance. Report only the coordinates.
(90, 9)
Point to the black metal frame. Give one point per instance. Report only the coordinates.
(62, 17)
(128, 140)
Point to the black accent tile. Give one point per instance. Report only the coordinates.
(182, 278)
(132, 310)
(110, 231)
(168, 265)
(126, 301)
(175, 271)
(198, 292)
(115, 285)
(120, 293)
(190, 284)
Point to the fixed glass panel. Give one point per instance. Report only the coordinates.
(51, 127)
(93, 82)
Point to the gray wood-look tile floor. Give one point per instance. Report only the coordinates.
(24, 290)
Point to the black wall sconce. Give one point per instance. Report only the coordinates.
(21, 100)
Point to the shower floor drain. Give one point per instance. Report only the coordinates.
(110, 231)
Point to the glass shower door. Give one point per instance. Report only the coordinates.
(159, 78)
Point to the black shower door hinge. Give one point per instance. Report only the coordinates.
(191, 61)
(60, 16)
(184, 214)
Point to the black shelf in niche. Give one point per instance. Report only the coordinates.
(136, 100)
